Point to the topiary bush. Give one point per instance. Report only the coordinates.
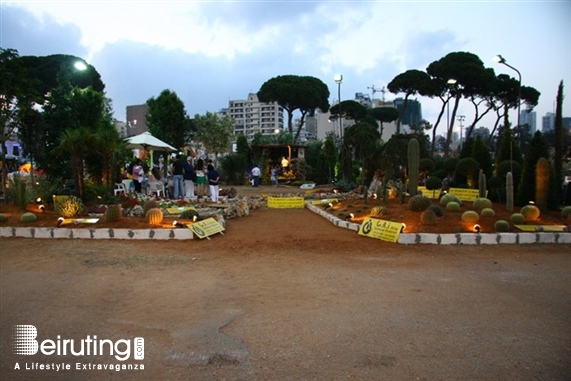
(433, 183)
(502, 226)
(530, 212)
(150, 204)
(453, 206)
(517, 219)
(470, 216)
(427, 217)
(3, 218)
(565, 212)
(437, 210)
(28, 217)
(487, 212)
(418, 203)
(154, 216)
(71, 207)
(482, 203)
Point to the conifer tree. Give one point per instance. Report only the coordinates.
(537, 148)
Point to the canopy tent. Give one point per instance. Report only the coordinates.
(148, 142)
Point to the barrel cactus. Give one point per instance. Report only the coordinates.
(427, 217)
(453, 206)
(413, 166)
(448, 197)
(113, 213)
(487, 212)
(149, 204)
(482, 186)
(437, 210)
(3, 217)
(154, 216)
(481, 203)
(530, 212)
(517, 218)
(502, 226)
(566, 212)
(470, 216)
(28, 217)
(378, 211)
(541, 182)
(418, 203)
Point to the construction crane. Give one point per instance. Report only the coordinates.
(382, 90)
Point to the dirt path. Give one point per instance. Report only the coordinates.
(284, 295)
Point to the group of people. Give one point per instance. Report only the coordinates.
(188, 180)
(256, 175)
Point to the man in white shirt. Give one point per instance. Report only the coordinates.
(256, 176)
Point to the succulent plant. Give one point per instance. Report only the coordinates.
(453, 206)
(418, 203)
(378, 211)
(482, 186)
(517, 218)
(502, 226)
(150, 204)
(189, 214)
(28, 217)
(437, 210)
(542, 182)
(71, 207)
(427, 217)
(470, 216)
(113, 213)
(154, 216)
(566, 211)
(3, 217)
(481, 203)
(530, 212)
(487, 212)
(448, 197)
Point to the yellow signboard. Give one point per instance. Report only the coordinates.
(465, 194)
(206, 228)
(286, 202)
(179, 210)
(381, 229)
(325, 201)
(75, 221)
(435, 193)
(541, 228)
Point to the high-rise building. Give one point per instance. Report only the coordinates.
(363, 99)
(548, 122)
(529, 118)
(136, 120)
(412, 113)
(252, 116)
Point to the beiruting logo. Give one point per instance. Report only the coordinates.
(25, 343)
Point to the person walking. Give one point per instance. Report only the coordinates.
(255, 176)
(275, 177)
(213, 181)
(177, 176)
(189, 177)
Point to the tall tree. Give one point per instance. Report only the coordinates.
(293, 92)
(349, 110)
(537, 149)
(167, 119)
(558, 154)
(363, 139)
(384, 115)
(214, 132)
(410, 82)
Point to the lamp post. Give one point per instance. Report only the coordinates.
(499, 59)
(339, 80)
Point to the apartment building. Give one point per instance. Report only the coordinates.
(252, 116)
(136, 120)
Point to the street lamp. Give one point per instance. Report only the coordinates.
(338, 80)
(499, 59)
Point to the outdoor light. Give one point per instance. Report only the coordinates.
(177, 224)
(452, 81)
(403, 227)
(38, 200)
(338, 80)
(349, 217)
(335, 191)
(532, 203)
(43, 208)
(375, 196)
(477, 228)
(194, 218)
(327, 206)
(60, 221)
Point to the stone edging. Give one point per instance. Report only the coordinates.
(457, 238)
(134, 234)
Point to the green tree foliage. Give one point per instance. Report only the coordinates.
(384, 115)
(481, 154)
(410, 82)
(363, 140)
(467, 172)
(293, 92)
(508, 149)
(394, 157)
(167, 119)
(214, 131)
(558, 154)
(349, 110)
(537, 149)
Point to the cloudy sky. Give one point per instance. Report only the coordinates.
(209, 52)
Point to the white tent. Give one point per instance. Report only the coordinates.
(148, 142)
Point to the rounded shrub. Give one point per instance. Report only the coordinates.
(487, 212)
(530, 212)
(150, 204)
(517, 219)
(437, 210)
(470, 216)
(154, 216)
(482, 203)
(433, 182)
(453, 206)
(3, 218)
(28, 217)
(418, 203)
(502, 226)
(427, 217)
(566, 212)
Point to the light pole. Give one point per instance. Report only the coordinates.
(499, 59)
(339, 80)
(460, 119)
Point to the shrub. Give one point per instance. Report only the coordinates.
(470, 216)
(418, 203)
(530, 212)
(487, 212)
(154, 216)
(566, 211)
(344, 186)
(189, 214)
(453, 206)
(71, 207)
(482, 203)
(28, 217)
(502, 226)
(437, 210)
(517, 219)
(19, 191)
(3, 217)
(427, 217)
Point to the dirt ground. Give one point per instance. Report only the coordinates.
(285, 295)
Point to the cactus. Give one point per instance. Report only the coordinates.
(482, 185)
(378, 211)
(487, 212)
(113, 213)
(541, 182)
(71, 207)
(453, 206)
(444, 200)
(3, 217)
(427, 217)
(470, 216)
(437, 210)
(149, 204)
(509, 192)
(517, 218)
(482, 203)
(28, 217)
(154, 216)
(418, 203)
(566, 212)
(530, 212)
(502, 226)
(413, 166)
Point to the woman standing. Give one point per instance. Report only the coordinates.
(213, 180)
(200, 178)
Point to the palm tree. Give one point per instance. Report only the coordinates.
(76, 143)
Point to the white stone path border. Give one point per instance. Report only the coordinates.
(182, 234)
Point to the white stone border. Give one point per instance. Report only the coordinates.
(90, 233)
(458, 238)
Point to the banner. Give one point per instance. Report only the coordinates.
(381, 229)
(465, 194)
(206, 228)
(286, 202)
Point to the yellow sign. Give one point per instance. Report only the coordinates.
(465, 194)
(179, 210)
(206, 228)
(286, 202)
(75, 221)
(325, 201)
(435, 193)
(541, 228)
(381, 229)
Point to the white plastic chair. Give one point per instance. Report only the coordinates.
(119, 188)
(158, 187)
(128, 184)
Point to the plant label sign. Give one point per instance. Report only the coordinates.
(434, 194)
(465, 194)
(206, 228)
(381, 229)
(286, 202)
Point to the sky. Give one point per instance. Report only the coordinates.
(209, 52)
